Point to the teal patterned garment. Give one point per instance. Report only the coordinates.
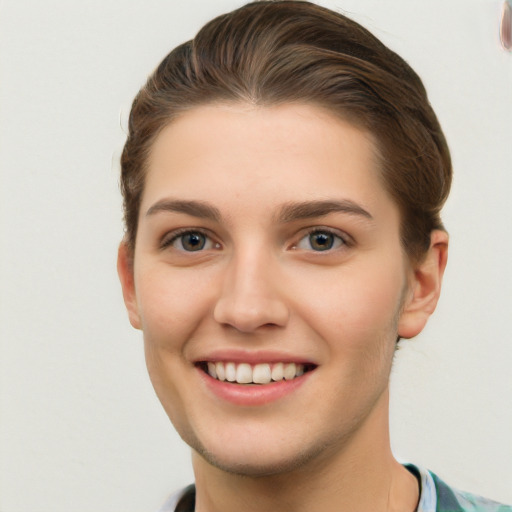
(435, 496)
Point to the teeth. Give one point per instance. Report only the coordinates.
(277, 372)
(219, 371)
(230, 372)
(263, 373)
(244, 373)
(212, 370)
(289, 371)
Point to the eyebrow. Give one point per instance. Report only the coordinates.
(310, 209)
(193, 208)
(288, 212)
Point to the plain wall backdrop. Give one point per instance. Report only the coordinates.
(80, 426)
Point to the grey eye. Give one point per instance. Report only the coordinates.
(192, 241)
(320, 240)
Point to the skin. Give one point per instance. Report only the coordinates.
(260, 288)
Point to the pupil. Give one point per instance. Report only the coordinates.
(194, 241)
(321, 241)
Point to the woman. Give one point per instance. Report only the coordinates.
(283, 179)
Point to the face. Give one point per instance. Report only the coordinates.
(270, 284)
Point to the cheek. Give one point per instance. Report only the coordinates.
(166, 371)
(172, 307)
(356, 307)
(172, 304)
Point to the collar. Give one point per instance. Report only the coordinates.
(428, 494)
(185, 499)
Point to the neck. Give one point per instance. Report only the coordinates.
(358, 476)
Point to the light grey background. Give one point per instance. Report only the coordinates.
(80, 427)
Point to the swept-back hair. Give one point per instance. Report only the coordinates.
(274, 52)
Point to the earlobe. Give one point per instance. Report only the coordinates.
(425, 287)
(125, 272)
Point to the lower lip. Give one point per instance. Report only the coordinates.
(252, 394)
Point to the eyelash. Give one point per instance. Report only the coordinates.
(339, 241)
(173, 237)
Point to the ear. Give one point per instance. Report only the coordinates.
(125, 272)
(425, 287)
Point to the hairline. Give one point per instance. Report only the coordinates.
(335, 114)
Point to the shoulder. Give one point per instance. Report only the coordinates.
(436, 496)
(453, 500)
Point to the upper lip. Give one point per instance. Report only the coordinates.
(252, 357)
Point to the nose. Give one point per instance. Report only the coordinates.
(251, 296)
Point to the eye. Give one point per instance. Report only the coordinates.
(320, 240)
(190, 241)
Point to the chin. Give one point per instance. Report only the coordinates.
(256, 460)
(257, 466)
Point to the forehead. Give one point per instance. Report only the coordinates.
(246, 155)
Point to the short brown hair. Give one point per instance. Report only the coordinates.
(274, 52)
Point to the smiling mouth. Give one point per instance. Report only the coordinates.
(262, 373)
